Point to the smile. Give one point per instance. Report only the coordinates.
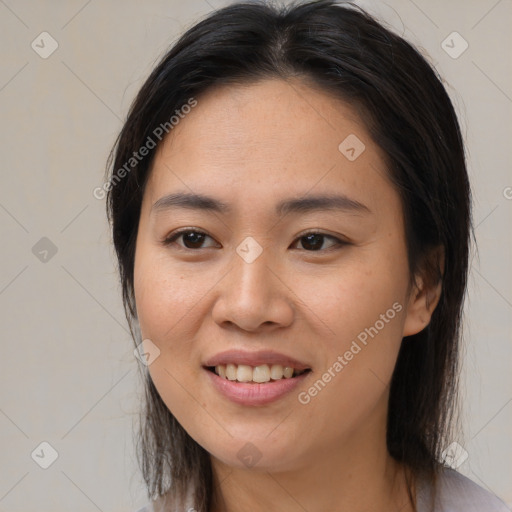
(256, 374)
(252, 393)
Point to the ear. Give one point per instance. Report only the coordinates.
(425, 292)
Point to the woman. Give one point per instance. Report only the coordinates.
(291, 215)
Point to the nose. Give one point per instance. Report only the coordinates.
(254, 296)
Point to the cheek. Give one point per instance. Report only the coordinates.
(366, 318)
(165, 296)
(168, 303)
(363, 305)
(353, 295)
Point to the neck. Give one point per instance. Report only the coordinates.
(356, 475)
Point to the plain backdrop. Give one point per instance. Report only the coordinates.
(68, 376)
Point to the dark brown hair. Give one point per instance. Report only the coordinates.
(343, 51)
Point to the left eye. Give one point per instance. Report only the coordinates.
(193, 239)
(314, 241)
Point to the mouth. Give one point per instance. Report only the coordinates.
(255, 378)
(260, 374)
(253, 386)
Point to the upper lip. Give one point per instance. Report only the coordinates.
(255, 359)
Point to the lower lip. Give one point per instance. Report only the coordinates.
(255, 394)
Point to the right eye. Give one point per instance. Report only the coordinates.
(192, 238)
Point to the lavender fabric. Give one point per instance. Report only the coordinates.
(455, 493)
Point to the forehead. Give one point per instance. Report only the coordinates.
(260, 140)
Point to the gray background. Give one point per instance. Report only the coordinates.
(68, 375)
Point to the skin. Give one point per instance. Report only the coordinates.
(251, 147)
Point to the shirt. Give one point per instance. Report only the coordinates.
(455, 493)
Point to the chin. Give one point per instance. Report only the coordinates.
(257, 453)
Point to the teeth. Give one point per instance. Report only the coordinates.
(243, 373)
(276, 372)
(261, 373)
(258, 374)
(288, 372)
(230, 371)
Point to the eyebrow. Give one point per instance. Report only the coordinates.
(301, 205)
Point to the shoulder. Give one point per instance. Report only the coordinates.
(458, 493)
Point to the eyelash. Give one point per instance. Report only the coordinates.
(175, 235)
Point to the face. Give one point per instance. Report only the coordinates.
(269, 274)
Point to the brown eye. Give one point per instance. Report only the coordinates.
(192, 239)
(313, 242)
